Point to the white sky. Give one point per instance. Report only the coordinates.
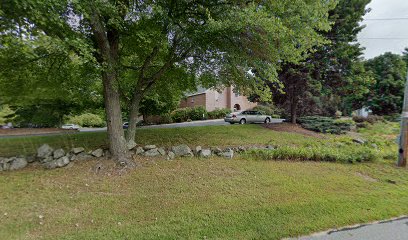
(385, 28)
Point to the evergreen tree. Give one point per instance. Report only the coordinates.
(333, 71)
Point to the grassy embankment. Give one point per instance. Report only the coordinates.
(241, 198)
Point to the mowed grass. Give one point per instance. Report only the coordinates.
(198, 199)
(242, 198)
(205, 136)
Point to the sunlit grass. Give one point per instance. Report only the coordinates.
(198, 199)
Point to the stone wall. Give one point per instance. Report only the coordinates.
(51, 158)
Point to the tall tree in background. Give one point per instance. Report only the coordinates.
(387, 93)
(405, 55)
(135, 45)
(334, 70)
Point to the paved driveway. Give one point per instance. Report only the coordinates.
(395, 229)
(215, 122)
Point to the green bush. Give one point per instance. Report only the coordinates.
(326, 124)
(179, 115)
(197, 113)
(347, 154)
(165, 119)
(268, 109)
(219, 113)
(361, 124)
(87, 120)
(184, 114)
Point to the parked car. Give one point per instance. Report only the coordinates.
(125, 125)
(247, 117)
(70, 126)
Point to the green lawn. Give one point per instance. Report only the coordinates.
(198, 199)
(233, 135)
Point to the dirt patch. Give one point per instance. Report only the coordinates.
(292, 128)
(32, 131)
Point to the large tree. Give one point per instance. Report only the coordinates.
(137, 44)
(387, 93)
(45, 80)
(332, 71)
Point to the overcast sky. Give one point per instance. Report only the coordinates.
(385, 28)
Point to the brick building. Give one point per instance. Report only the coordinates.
(212, 99)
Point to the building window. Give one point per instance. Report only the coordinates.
(236, 94)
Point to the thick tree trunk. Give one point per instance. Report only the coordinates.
(293, 105)
(293, 110)
(133, 116)
(116, 136)
(107, 41)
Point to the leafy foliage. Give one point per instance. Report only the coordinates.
(48, 114)
(332, 77)
(219, 113)
(185, 114)
(268, 109)
(6, 114)
(386, 94)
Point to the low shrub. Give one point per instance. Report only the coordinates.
(218, 113)
(165, 119)
(326, 124)
(184, 114)
(324, 153)
(393, 117)
(197, 113)
(362, 125)
(338, 114)
(179, 115)
(86, 120)
(370, 119)
(159, 119)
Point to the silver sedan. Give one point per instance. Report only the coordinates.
(247, 117)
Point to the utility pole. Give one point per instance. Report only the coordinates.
(403, 142)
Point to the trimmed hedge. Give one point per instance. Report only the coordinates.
(219, 113)
(185, 114)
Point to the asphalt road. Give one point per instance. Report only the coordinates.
(395, 229)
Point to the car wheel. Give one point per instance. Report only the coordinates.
(267, 120)
(242, 121)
